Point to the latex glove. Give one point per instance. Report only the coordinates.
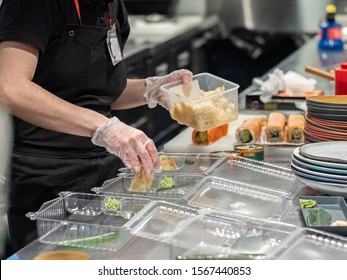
(154, 95)
(131, 145)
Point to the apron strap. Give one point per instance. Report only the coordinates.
(77, 5)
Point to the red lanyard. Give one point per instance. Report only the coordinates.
(77, 5)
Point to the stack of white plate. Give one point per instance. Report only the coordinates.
(326, 118)
(322, 166)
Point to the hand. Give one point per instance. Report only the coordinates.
(154, 95)
(131, 145)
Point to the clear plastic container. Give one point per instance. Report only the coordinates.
(158, 220)
(309, 244)
(79, 219)
(257, 173)
(182, 185)
(216, 105)
(209, 236)
(193, 163)
(238, 198)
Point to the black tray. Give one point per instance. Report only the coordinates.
(335, 205)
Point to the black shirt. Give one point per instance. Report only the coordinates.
(42, 23)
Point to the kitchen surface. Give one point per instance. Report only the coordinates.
(224, 199)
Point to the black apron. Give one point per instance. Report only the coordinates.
(44, 162)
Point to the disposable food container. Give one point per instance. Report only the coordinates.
(210, 236)
(182, 184)
(310, 244)
(193, 163)
(81, 220)
(159, 219)
(238, 198)
(257, 173)
(215, 104)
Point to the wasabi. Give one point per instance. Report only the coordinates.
(308, 203)
(167, 182)
(189, 162)
(112, 204)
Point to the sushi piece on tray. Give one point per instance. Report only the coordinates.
(275, 127)
(249, 131)
(295, 128)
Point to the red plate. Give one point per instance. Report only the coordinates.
(328, 123)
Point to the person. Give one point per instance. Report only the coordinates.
(61, 75)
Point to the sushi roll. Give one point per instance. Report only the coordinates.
(295, 128)
(275, 127)
(249, 131)
(209, 136)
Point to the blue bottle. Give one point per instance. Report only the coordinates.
(330, 32)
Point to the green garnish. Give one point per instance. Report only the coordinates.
(307, 203)
(189, 162)
(93, 240)
(167, 182)
(245, 136)
(240, 256)
(112, 204)
(318, 217)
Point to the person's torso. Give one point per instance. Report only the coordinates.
(76, 66)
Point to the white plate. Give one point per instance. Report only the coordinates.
(316, 173)
(317, 162)
(327, 188)
(335, 151)
(319, 168)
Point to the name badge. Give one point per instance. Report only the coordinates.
(113, 46)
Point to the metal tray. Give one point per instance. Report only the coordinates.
(159, 219)
(257, 173)
(310, 244)
(183, 184)
(335, 205)
(238, 198)
(78, 219)
(209, 236)
(191, 163)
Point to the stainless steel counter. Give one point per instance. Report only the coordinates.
(152, 38)
(308, 54)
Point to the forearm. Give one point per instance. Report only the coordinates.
(39, 107)
(132, 96)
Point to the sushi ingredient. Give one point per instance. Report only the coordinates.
(295, 128)
(307, 203)
(92, 240)
(318, 217)
(237, 256)
(141, 182)
(112, 204)
(209, 136)
(167, 163)
(207, 111)
(167, 182)
(189, 162)
(275, 127)
(339, 223)
(249, 131)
